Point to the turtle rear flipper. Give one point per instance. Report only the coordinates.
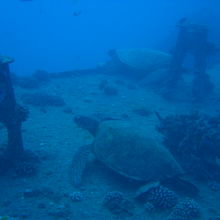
(181, 185)
(79, 163)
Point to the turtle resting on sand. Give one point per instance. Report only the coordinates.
(126, 150)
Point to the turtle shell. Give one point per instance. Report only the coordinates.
(126, 150)
(143, 59)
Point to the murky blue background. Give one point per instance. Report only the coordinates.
(45, 34)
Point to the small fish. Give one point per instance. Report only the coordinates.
(183, 22)
(77, 13)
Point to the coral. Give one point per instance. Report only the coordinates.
(77, 196)
(159, 196)
(149, 207)
(194, 140)
(185, 210)
(117, 204)
(143, 191)
(162, 198)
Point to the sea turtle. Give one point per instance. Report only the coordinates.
(125, 149)
(138, 63)
(142, 59)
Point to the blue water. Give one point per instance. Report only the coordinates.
(97, 87)
(45, 34)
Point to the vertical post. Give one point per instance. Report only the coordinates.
(9, 114)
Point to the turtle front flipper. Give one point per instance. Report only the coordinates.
(79, 163)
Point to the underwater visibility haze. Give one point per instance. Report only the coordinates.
(110, 110)
(45, 34)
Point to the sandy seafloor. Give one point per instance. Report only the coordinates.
(53, 135)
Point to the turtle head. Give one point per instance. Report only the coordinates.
(89, 123)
